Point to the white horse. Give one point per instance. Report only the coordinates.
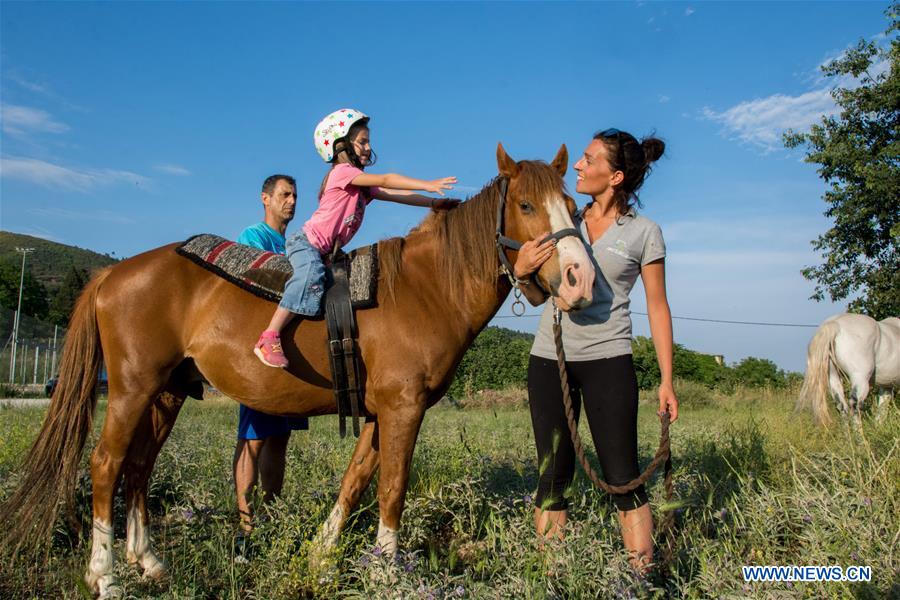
(859, 347)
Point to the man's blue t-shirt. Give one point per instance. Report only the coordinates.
(255, 425)
(263, 237)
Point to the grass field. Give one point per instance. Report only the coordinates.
(757, 485)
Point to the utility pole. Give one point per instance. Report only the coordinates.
(53, 362)
(12, 357)
(24, 252)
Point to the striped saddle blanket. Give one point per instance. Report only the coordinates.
(264, 273)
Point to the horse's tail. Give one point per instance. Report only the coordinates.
(819, 359)
(51, 466)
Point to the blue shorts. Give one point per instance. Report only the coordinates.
(304, 290)
(255, 425)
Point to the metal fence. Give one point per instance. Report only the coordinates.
(34, 356)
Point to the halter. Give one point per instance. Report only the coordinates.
(504, 242)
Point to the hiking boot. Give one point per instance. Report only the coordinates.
(268, 350)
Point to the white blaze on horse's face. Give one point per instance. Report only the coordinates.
(575, 266)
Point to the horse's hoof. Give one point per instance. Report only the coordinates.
(112, 592)
(92, 581)
(153, 567)
(155, 572)
(104, 586)
(323, 562)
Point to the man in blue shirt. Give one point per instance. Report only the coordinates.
(262, 438)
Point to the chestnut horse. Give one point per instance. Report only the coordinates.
(162, 324)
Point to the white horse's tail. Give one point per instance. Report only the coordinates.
(819, 358)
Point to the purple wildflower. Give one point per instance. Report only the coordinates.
(854, 556)
(364, 561)
(460, 591)
(187, 514)
(807, 519)
(527, 498)
(377, 551)
(867, 501)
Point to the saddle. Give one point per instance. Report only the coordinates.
(351, 283)
(342, 344)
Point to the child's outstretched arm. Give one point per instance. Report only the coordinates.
(413, 199)
(402, 182)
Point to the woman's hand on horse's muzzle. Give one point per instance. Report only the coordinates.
(532, 255)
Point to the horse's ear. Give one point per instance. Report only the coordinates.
(505, 165)
(561, 162)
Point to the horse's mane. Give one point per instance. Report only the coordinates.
(467, 255)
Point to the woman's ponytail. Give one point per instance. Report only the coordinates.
(653, 149)
(634, 159)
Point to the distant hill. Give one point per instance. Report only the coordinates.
(50, 261)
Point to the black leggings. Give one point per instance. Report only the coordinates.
(609, 386)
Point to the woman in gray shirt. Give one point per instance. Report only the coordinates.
(597, 340)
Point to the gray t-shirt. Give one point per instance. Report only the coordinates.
(603, 329)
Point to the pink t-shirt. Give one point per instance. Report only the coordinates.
(340, 210)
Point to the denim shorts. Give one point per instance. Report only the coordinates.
(304, 290)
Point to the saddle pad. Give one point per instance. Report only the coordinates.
(264, 273)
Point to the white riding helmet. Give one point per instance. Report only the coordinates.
(334, 127)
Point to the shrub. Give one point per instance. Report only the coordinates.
(758, 372)
(498, 359)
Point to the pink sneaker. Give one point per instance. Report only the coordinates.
(268, 350)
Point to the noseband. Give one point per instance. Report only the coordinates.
(504, 242)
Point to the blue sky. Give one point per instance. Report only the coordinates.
(126, 126)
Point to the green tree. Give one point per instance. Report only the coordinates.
(64, 300)
(497, 359)
(34, 294)
(686, 364)
(858, 151)
(645, 366)
(758, 372)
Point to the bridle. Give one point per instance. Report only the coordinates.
(504, 242)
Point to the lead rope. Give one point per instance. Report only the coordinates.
(663, 453)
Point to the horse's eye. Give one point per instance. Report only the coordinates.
(526, 208)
